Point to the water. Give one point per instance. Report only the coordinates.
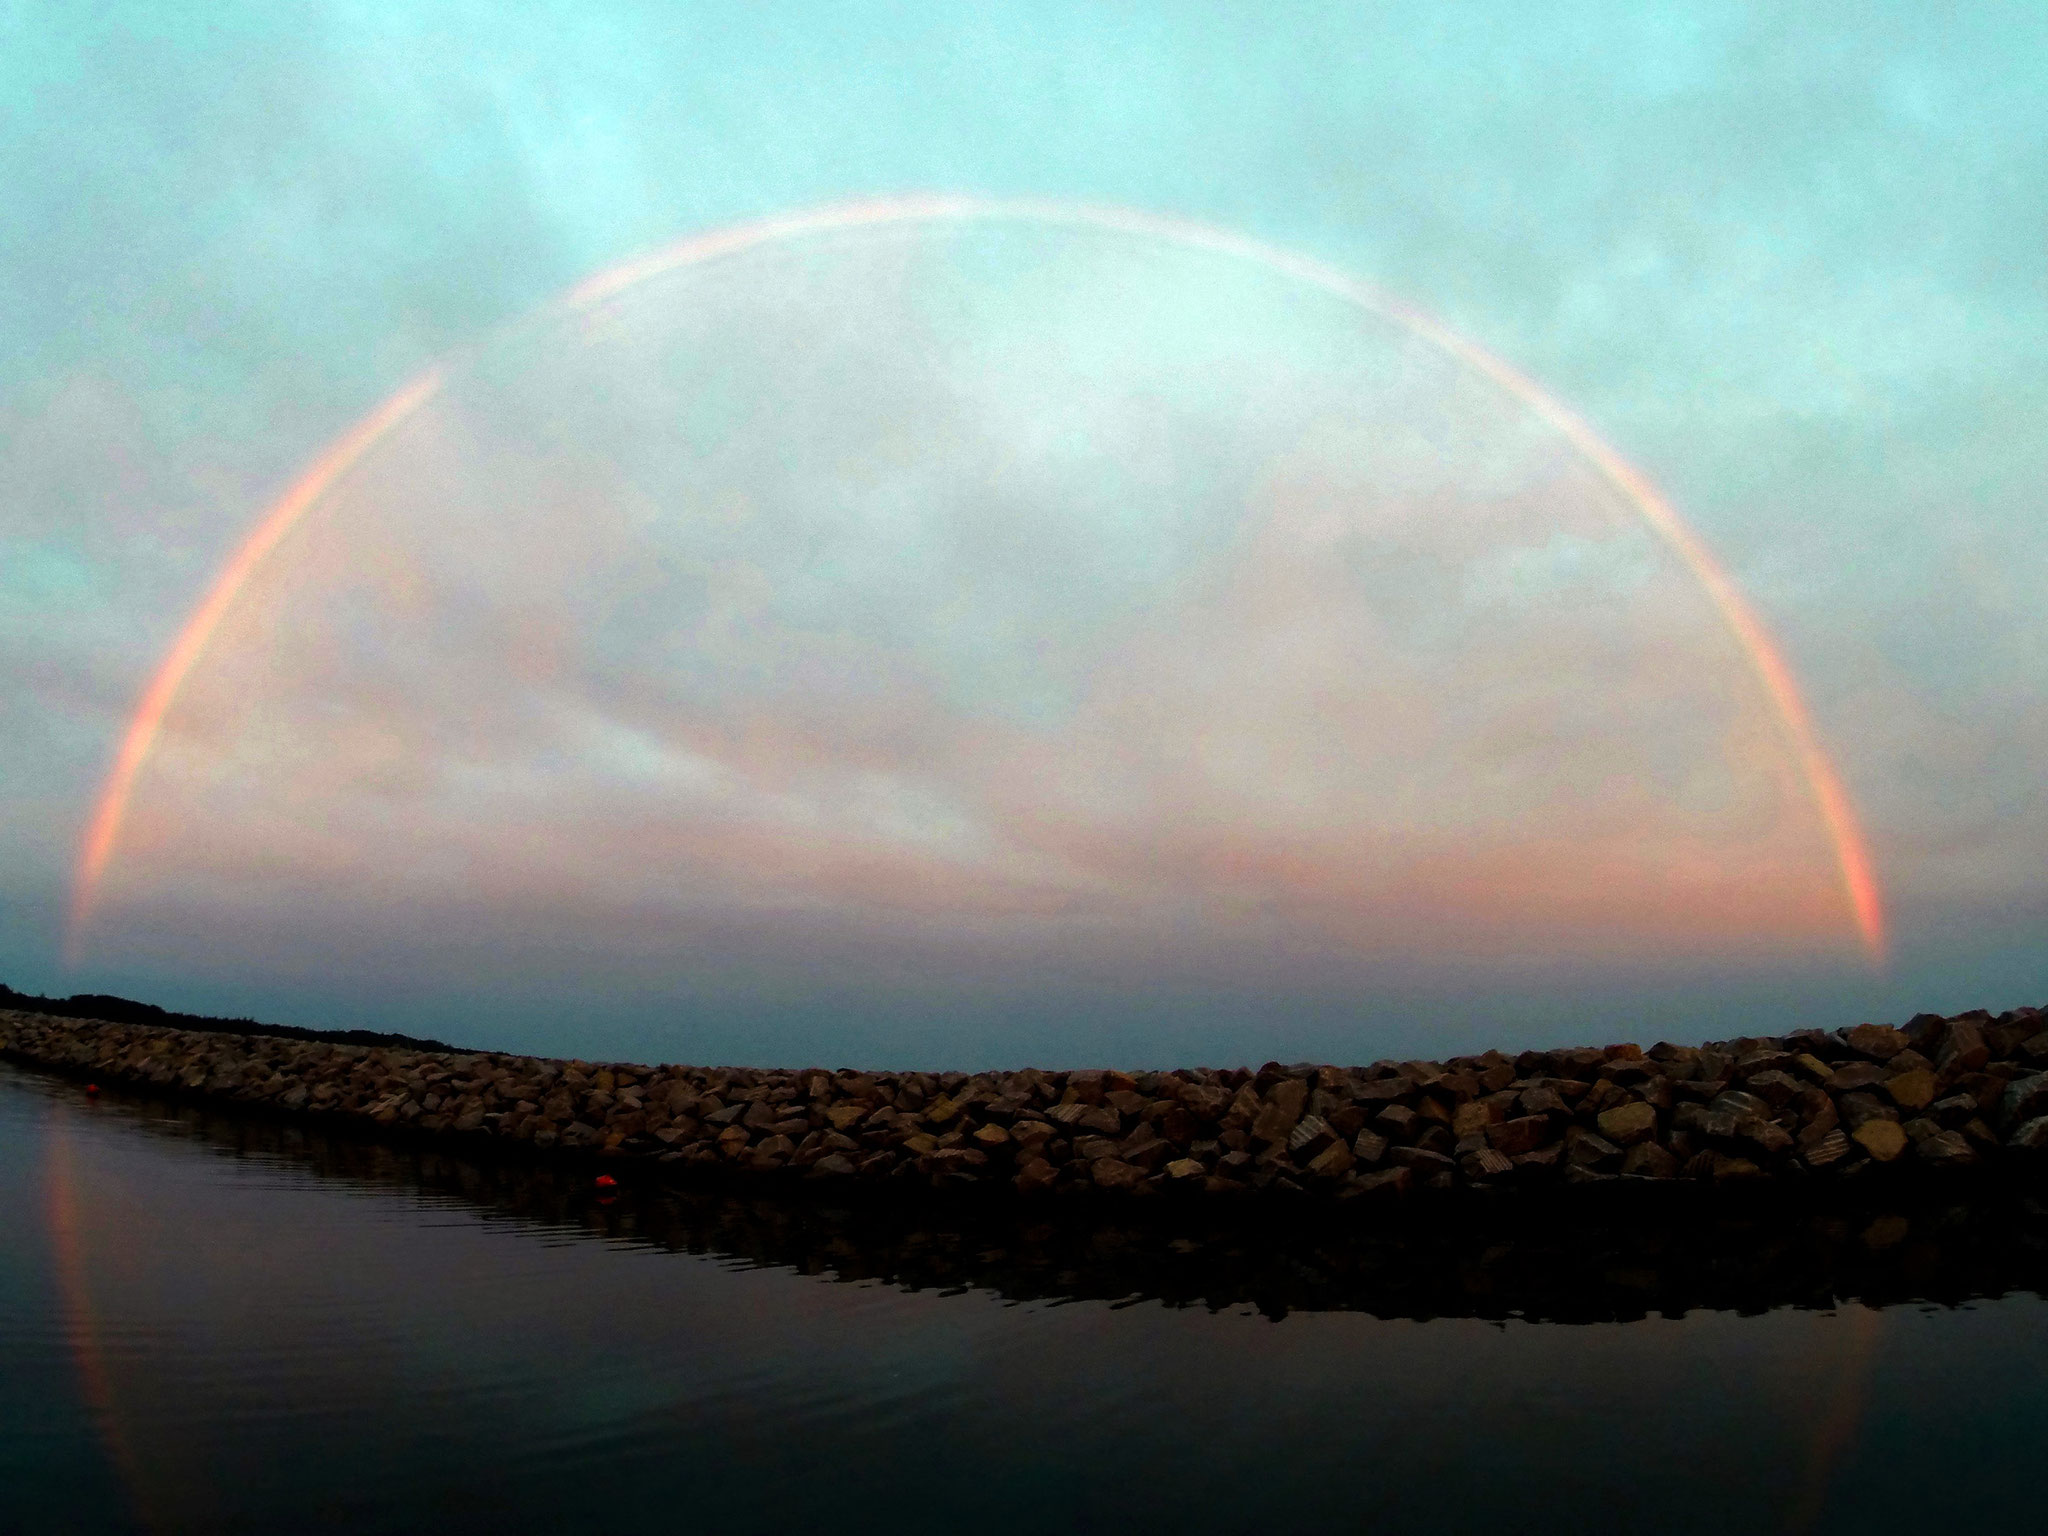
(208, 1325)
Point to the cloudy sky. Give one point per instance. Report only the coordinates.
(1014, 641)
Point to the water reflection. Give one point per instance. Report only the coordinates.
(1583, 1256)
(272, 1330)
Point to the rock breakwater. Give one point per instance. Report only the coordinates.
(1824, 1106)
(1612, 1253)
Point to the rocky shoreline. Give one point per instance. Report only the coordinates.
(1609, 1253)
(1936, 1095)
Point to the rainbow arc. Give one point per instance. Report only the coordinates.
(1858, 877)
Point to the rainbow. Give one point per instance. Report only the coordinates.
(82, 1326)
(1858, 874)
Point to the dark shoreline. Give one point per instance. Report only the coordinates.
(1935, 1100)
(102, 1007)
(1597, 1254)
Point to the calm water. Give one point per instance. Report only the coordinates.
(206, 1329)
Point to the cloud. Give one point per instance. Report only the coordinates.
(957, 593)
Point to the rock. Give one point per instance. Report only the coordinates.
(1282, 1108)
(1911, 1090)
(1396, 1119)
(1908, 1060)
(1879, 1042)
(1882, 1139)
(1731, 1170)
(1496, 1078)
(1114, 1173)
(1826, 1151)
(1775, 1088)
(1627, 1124)
(1034, 1174)
(1485, 1163)
(1947, 1149)
(1699, 1121)
(1820, 1071)
(1590, 1151)
(1100, 1119)
(2024, 1099)
(1422, 1162)
(1948, 1081)
(1309, 1137)
(1856, 1108)
(1526, 1133)
(1886, 1232)
(1648, 1160)
(1542, 1100)
(1430, 1107)
(1605, 1094)
(1963, 1048)
(2032, 1136)
(1387, 1184)
(1472, 1118)
(1332, 1162)
(1954, 1109)
(1817, 1114)
(1767, 1138)
(1738, 1103)
(1146, 1155)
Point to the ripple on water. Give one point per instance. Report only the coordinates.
(252, 1342)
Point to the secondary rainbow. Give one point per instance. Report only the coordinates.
(1857, 871)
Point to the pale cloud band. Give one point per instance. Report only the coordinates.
(1039, 563)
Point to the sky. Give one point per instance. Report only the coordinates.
(1000, 639)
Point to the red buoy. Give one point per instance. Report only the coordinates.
(606, 1181)
(92, 1089)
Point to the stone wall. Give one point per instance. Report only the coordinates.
(1938, 1094)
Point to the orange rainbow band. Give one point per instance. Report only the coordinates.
(70, 1267)
(103, 830)
(1852, 854)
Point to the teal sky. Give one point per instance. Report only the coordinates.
(1791, 264)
